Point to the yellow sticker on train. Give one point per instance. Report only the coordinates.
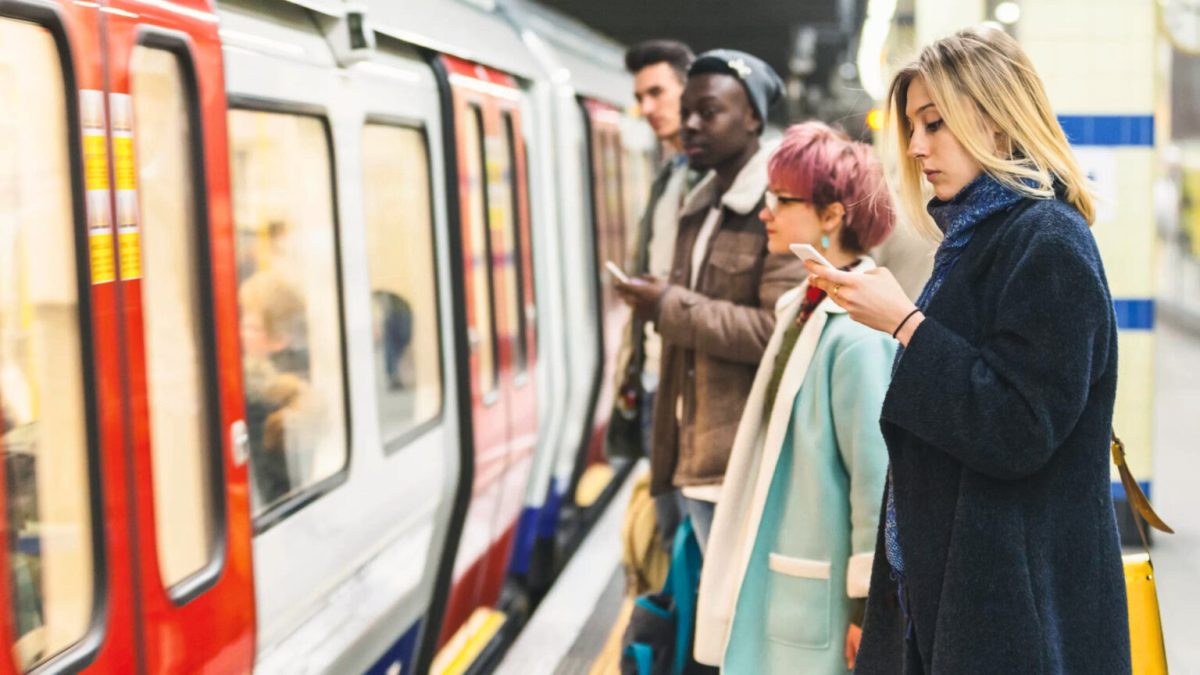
(123, 161)
(95, 161)
(103, 268)
(129, 245)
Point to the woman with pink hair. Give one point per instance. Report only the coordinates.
(785, 578)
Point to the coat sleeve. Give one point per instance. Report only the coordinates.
(724, 329)
(859, 382)
(1003, 406)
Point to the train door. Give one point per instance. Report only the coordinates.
(66, 591)
(611, 243)
(176, 279)
(501, 335)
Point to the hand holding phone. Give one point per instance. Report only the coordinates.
(617, 272)
(808, 252)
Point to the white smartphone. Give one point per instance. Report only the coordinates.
(616, 271)
(808, 252)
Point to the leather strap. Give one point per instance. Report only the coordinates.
(1138, 503)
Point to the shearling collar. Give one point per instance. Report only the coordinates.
(743, 195)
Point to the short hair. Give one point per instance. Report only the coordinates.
(823, 165)
(650, 52)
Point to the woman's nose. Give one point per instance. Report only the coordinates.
(917, 147)
(765, 215)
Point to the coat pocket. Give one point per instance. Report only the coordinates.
(730, 275)
(800, 602)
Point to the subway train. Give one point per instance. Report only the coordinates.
(306, 348)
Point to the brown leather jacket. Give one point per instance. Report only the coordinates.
(714, 335)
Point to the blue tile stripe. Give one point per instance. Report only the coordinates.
(1134, 313)
(1109, 130)
(1118, 489)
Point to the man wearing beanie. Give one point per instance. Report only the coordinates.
(716, 310)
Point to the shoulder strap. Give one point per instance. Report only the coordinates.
(1138, 503)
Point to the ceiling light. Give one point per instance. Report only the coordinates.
(1008, 13)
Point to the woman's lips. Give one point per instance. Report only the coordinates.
(930, 173)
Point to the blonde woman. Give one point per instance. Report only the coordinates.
(998, 549)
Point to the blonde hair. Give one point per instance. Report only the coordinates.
(977, 77)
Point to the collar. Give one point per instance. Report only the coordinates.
(789, 303)
(741, 197)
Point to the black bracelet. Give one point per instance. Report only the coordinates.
(910, 315)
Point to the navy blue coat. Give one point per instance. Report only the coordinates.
(997, 423)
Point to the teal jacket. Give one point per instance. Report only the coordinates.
(793, 539)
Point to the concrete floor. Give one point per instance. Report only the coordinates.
(1177, 493)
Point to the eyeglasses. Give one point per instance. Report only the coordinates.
(774, 201)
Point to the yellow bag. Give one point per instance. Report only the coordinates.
(645, 559)
(1145, 623)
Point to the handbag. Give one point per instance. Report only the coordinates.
(623, 439)
(1148, 651)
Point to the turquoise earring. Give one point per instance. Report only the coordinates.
(825, 241)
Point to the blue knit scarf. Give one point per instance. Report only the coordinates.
(981, 198)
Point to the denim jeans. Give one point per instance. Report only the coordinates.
(701, 513)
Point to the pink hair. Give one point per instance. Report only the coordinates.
(822, 165)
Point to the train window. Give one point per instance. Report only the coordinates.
(174, 316)
(514, 277)
(400, 263)
(292, 360)
(42, 394)
(483, 317)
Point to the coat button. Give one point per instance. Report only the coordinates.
(691, 372)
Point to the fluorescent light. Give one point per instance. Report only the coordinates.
(876, 26)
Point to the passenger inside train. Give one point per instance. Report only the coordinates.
(276, 370)
(313, 357)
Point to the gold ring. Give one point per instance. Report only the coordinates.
(836, 289)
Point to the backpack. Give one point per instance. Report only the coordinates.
(658, 639)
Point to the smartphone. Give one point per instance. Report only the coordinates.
(807, 252)
(616, 271)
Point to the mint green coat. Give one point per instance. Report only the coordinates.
(794, 533)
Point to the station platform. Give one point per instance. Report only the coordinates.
(577, 628)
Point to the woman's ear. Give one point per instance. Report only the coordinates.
(1004, 145)
(833, 216)
(1001, 141)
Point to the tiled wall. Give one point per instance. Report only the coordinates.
(1097, 60)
